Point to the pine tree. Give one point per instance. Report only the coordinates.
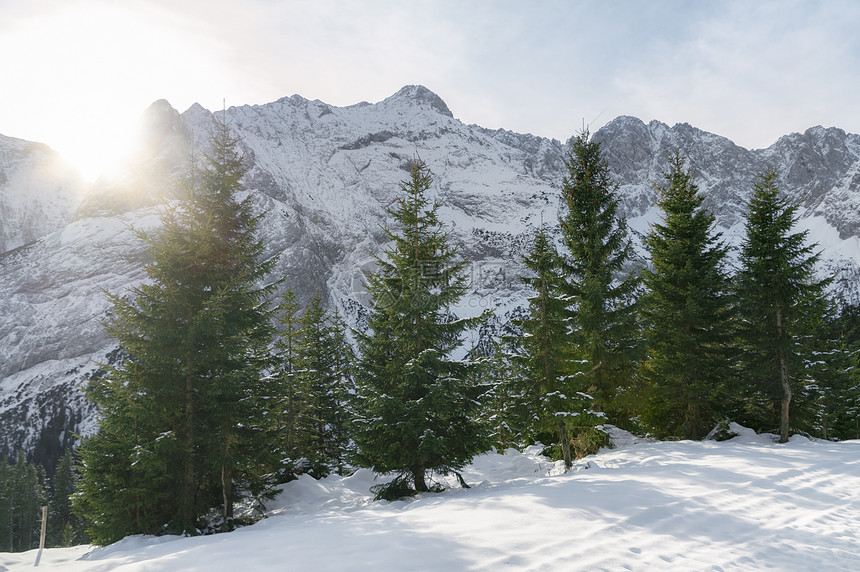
(6, 508)
(22, 494)
(323, 361)
(291, 404)
(777, 290)
(415, 409)
(64, 526)
(343, 360)
(841, 407)
(315, 369)
(508, 409)
(602, 310)
(180, 431)
(829, 399)
(552, 375)
(687, 313)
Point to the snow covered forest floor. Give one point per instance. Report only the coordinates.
(743, 504)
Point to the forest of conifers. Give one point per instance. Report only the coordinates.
(222, 391)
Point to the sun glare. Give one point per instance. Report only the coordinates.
(93, 153)
(91, 70)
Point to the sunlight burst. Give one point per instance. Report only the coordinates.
(104, 58)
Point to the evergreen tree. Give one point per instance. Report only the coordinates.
(777, 291)
(6, 505)
(323, 358)
(508, 409)
(343, 360)
(22, 495)
(180, 429)
(65, 528)
(842, 408)
(552, 376)
(415, 409)
(827, 403)
(292, 402)
(315, 369)
(687, 313)
(602, 310)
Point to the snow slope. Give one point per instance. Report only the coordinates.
(743, 504)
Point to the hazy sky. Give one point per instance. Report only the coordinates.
(77, 74)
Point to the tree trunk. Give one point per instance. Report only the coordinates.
(227, 495)
(786, 387)
(189, 478)
(565, 444)
(418, 477)
(692, 422)
(784, 403)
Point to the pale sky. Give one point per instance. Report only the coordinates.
(77, 74)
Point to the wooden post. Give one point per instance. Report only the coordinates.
(42, 536)
(44, 527)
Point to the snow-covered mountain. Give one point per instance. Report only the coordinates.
(323, 175)
(39, 192)
(818, 169)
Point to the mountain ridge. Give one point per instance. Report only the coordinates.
(322, 176)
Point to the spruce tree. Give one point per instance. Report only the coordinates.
(181, 429)
(22, 494)
(343, 387)
(687, 313)
(829, 400)
(291, 401)
(552, 380)
(842, 406)
(315, 369)
(601, 299)
(415, 409)
(64, 526)
(507, 406)
(777, 290)
(323, 361)
(6, 504)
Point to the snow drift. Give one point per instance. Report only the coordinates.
(743, 504)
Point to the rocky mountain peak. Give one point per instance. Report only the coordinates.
(160, 117)
(160, 149)
(422, 95)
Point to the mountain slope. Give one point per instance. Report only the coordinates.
(323, 176)
(39, 192)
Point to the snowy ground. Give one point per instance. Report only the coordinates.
(743, 504)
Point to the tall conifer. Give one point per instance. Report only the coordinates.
(180, 431)
(323, 361)
(290, 402)
(687, 313)
(64, 526)
(343, 388)
(777, 289)
(22, 494)
(552, 377)
(600, 297)
(415, 408)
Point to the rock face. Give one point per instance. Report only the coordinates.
(39, 192)
(322, 176)
(818, 169)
